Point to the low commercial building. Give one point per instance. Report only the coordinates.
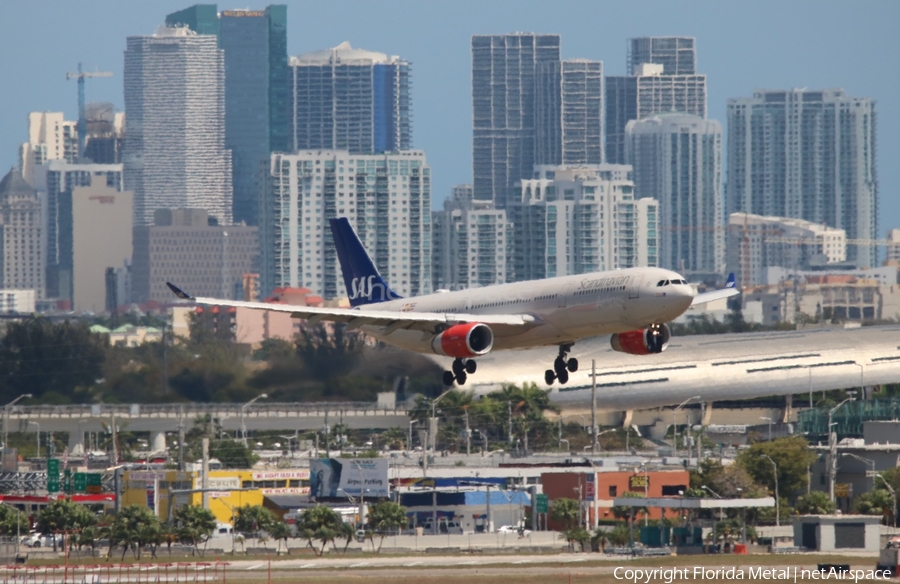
(464, 511)
(834, 533)
(596, 491)
(155, 489)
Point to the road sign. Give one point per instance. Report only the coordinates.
(94, 483)
(52, 475)
(79, 483)
(542, 503)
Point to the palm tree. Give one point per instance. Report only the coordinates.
(319, 523)
(601, 538)
(393, 436)
(386, 517)
(620, 536)
(280, 531)
(253, 519)
(566, 511)
(346, 532)
(195, 525)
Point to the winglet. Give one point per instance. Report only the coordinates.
(179, 292)
(731, 282)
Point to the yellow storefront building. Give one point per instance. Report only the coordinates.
(230, 489)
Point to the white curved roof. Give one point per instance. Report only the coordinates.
(714, 367)
(343, 53)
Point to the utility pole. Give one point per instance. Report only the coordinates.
(115, 450)
(468, 434)
(204, 476)
(181, 437)
(594, 405)
(509, 409)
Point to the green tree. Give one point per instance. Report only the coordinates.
(64, 516)
(815, 503)
(566, 511)
(135, 527)
(253, 519)
(280, 531)
(13, 522)
(624, 511)
(195, 525)
(793, 457)
(319, 523)
(55, 362)
(576, 534)
(232, 453)
(620, 535)
(874, 503)
(328, 351)
(386, 517)
(600, 538)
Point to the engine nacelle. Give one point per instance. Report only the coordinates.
(464, 340)
(653, 339)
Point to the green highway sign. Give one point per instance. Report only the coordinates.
(79, 483)
(94, 483)
(541, 503)
(52, 475)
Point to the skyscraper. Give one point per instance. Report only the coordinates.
(351, 99)
(677, 159)
(505, 88)
(471, 242)
(50, 137)
(579, 219)
(387, 199)
(257, 94)
(175, 152)
(569, 122)
(661, 78)
(806, 154)
(677, 55)
(21, 261)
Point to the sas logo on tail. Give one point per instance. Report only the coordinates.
(362, 287)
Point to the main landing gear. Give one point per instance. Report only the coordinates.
(561, 367)
(460, 369)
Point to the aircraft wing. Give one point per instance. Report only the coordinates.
(356, 317)
(728, 291)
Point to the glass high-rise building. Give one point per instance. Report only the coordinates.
(386, 198)
(505, 89)
(677, 159)
(351, 99)
(662, 78)
(174, 155)
(569, 126)
(257, 94)
(806, 154)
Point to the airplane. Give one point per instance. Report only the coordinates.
(632, 305)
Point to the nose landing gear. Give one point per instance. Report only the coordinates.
(459, 371)
(562, 366)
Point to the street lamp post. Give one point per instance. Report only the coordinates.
(717, 496)
(893, 498)
(832, 449)
(37, 438)
(433, 428)
(559, 437)
(6, 417)
(243, 409)
(675, 423)
(409, 444)
(777, 504)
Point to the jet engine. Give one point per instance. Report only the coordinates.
(653, 339)
(462, 341)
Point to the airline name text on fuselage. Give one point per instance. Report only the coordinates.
(604, 282)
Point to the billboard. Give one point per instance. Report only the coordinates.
(330, 477)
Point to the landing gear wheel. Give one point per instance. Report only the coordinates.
(563, 376)
(471, 365)
(549, 376)
(559, 365)
(572, 365)
(448, 378)
(461, 378)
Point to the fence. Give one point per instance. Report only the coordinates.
(183, 572)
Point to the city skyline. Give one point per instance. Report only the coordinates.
(846, 49)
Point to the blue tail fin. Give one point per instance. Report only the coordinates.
(364, 284)
(731, 282)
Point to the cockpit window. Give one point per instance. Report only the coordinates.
(661, 283)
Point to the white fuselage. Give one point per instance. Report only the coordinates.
(565, 309)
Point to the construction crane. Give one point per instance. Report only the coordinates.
(82, 121)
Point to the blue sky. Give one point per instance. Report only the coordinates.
(741, 46)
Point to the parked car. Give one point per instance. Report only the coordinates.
(36, 540)
(514, 529)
